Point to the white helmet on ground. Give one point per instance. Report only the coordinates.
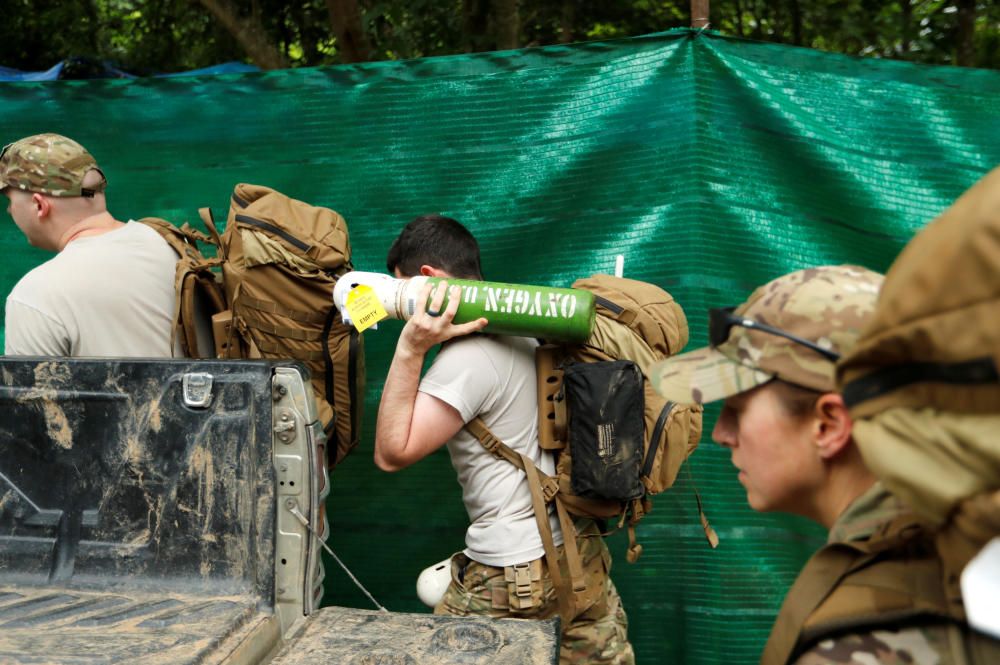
(433, 582)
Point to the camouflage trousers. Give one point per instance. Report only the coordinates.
(597, 634)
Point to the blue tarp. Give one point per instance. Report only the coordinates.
(97, 69)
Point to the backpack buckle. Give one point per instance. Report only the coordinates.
(492, 445)
(550, 487)
(522, 580)
(523, 584)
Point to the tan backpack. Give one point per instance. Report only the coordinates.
(640, 442)
(279, 260)
(923, 381)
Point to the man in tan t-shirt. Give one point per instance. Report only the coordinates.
(109, 291)
(501, 572)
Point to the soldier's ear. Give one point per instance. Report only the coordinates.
(832, 426)
(430, 271)
(42, 205)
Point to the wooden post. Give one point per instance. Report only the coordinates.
(699, 13)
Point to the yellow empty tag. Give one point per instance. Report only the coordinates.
(364, 307)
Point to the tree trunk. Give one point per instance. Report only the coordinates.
(774, 17)
(907, 28)
(248, 33)
(566, 22)
(699, 14)
(348, 28)
(475, 19)
(507, 23)
(796, 10)
(965, 51)
(93, 16)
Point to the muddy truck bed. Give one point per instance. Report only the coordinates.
(169, 512)
(55, 624)
(137, 511)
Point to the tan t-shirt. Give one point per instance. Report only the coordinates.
(494, 378)
(105, 295)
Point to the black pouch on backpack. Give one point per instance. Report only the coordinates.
(605, 428)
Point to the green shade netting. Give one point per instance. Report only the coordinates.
(713, 164)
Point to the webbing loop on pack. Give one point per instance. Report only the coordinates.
(207, 265)
(620, 313)
(282, 331)
(274, 308)
(301, 354)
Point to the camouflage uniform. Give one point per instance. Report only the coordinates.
(918, 645)
(48, 164)
(598, 634)
(879, 570)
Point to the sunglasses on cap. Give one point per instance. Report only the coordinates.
(86, 192)
(721, 321)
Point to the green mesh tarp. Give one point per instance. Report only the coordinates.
(712, 164)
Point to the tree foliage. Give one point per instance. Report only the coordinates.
(145, 36)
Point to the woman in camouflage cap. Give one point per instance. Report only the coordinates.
(773, 360)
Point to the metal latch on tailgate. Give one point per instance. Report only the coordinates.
(197, 388)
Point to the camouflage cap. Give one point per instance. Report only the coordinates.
(48, 164)
(827, 306)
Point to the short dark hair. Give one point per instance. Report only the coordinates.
(437, 241)
(797, 401)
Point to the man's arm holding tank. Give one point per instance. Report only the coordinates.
(411, 424)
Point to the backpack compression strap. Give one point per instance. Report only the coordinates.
(544, 489)
(209, 221)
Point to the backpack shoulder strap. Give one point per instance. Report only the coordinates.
(172, 235)
(544, 488)
(193, 279)
(477, 428)
(180, 238)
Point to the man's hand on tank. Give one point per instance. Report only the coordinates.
(435, 324)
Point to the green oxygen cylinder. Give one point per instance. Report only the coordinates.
(557, 314)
